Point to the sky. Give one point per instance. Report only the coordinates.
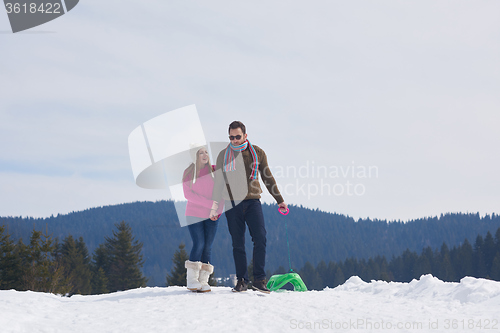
(379, 109)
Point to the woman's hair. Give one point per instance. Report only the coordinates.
(190, 175)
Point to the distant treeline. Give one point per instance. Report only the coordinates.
(481, 260)
(66, 268)
(314, 235)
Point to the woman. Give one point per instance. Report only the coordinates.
(198, 182)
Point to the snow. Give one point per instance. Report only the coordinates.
(423, 305)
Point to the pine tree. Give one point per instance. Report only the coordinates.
(178, 274)
(322, 270)
(489, 252)
(125, 259)
(396, 266)
(465, 260)
(373, 268)
(446, 273)
(385, 273)
(495, 268)
(497, 240)
(84, 268)
(330, 275)
(101, 259)
(10, 263)
(479, 263)
(42, 271)
(311, 277)
(100, 267)
(423, 264)
(76, 262)
(409, 260)
(339, 277)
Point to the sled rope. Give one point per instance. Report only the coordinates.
(279, 280)
(288, 246)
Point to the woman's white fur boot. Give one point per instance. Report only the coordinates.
(206, 270)
(193, 274)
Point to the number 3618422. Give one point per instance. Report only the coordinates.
(27, 8)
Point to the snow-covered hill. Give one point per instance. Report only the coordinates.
(422, 305)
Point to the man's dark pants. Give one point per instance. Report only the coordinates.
(249, 211)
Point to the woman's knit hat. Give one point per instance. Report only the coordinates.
(194, 148)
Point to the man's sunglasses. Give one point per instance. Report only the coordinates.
(232, 137)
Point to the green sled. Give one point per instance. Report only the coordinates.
(279, 280)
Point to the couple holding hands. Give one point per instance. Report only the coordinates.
(207, 188)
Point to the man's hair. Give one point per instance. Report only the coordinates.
(237, 124)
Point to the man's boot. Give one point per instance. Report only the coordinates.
(261, 286)
(241, 285)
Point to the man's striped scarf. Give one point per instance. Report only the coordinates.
(229, 162)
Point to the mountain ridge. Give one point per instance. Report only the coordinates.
(314, 235)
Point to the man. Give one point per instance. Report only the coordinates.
(242, 160)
